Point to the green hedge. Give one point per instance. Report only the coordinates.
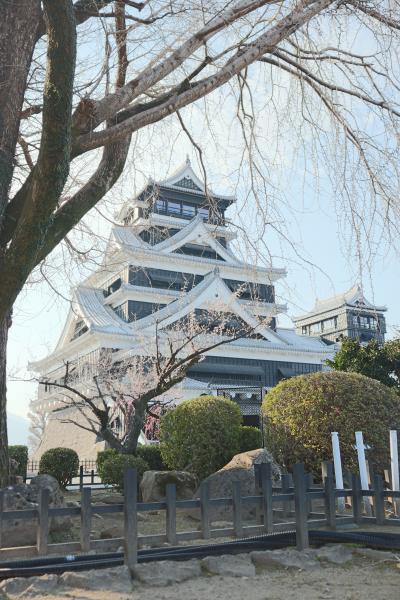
(152, 455)
(114, 465)
(250, 438)
(61, 463)
(300, 413)
(201, 435)
(20, 454)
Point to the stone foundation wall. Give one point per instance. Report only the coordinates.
(68, 435)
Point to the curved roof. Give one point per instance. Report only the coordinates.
(354, 297)
(183, 179)
(194, 232)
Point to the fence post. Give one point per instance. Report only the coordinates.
(356, 498)
(266, 490)
(43, 521)
(258, 491)
(237, 509)
(379, 500)
(205, 509)
(170, 517)
(130, 518)
(300, 506)
(2, 506)
(80, 478)
(330, 502)
(86, 518)
(287, 483)
(309, 481)
(92, 477)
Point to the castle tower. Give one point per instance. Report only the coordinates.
(171, 253)
(345, 315)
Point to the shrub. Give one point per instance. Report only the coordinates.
(250, 438)
(300, 413)
(200, 435)
(20, 454)
(115, 465)
(152, 455)
(61, 463)
(102, 457)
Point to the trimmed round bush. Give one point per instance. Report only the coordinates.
(102, 456)
(300, 413)
(61, 463)
(250, 438)
(201, 435)
(114, 466)
(20, 454)
(152, 455)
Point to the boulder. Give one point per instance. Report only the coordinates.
(240, 468)
(247, 460)
(153, 484)
(289, 558)
(166, 572)
(22, 496)
(29, 586)
(114, 579)
(229, 566)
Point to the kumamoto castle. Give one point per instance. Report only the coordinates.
(170, 254)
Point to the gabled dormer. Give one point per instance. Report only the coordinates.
(180, 197)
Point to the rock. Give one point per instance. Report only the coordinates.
(73, 504)
(110, 499)
(22, 532)
(247, 460)
(240, 468)
(115, 579)
(153, 484)
(335, 553)
(29, 585)
(229, 565)
(289, 558)
(380, 555)
(167, 572)
(114, 531)
(46, 481)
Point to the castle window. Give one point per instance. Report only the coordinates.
(316, 328)
(80, 329)
(189, 210)
(203, 212)
(160, 205)
(174, 207)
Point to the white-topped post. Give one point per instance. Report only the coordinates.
(337, 463)
(362, 465)
(394, 464)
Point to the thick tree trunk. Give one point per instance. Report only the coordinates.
(4, 463)
(135, 427)
(18, 32)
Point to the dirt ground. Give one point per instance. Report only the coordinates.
(364, 580)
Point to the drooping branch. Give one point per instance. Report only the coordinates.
(108, 107)
(265, 43)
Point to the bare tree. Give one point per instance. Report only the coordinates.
(113, 400)
(38, 418)
(56, 105)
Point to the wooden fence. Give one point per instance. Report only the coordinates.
(286, 507)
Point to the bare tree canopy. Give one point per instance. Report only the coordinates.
(124, 392)
(81, 78)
